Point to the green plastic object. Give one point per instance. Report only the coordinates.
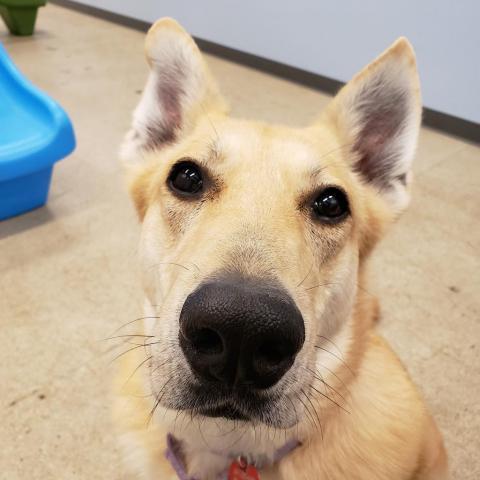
(20, 15)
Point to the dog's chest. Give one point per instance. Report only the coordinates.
(225, 460)
(227, 465)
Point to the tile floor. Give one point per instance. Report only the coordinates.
(68, 271)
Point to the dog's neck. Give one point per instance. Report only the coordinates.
(210, 445)
(216, 464)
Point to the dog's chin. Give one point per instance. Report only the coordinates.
(227, 412)
(231, 413)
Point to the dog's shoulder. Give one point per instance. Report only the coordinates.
(386, 433)
(396, 415)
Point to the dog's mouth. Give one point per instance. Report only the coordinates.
(238, 405)
(231, 405)
(242, 405)
(229, 412)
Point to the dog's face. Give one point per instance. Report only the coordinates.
(254, 235)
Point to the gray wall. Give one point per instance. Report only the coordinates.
(336, 38)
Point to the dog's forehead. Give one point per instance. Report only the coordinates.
(267, 147)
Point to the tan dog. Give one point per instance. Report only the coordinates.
(255, 238)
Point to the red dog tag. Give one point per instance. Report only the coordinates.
(240, 470)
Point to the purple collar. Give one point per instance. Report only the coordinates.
(175, 457)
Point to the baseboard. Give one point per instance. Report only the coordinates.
(432, 118)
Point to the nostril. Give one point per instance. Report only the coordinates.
(270, 353)
(207, 341)
(272, 358)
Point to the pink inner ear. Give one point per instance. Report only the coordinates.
(382, 112)
(164, 127)
(372, 142)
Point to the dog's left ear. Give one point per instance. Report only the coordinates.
(179, 90)
(377, 115)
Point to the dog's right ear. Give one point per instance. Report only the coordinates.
(179, 89)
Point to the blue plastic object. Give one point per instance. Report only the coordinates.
(35, 133)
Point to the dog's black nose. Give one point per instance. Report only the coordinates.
(239, 332)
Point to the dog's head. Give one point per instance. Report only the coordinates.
(253, 235)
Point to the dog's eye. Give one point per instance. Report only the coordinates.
(331, 205)
(185, 178)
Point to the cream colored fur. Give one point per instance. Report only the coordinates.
(363, 418)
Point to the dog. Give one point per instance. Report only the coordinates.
(258, 357)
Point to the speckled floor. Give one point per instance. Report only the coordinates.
(68, 271)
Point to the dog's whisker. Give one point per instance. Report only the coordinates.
(306, 276)
(311, 404)
(330, 391)
(130, 350)
(320, 379)
(331, 343)
(136, 370)
(144, 344)
(335, 375)
(336, 356)
(168, 263)
(121, 342)
(159, 398)
(111, 348)
(309, 414)
(126, 336)
(134, 320)
(157, 367)
(320, 285)
(140, 396)
(328, 398)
